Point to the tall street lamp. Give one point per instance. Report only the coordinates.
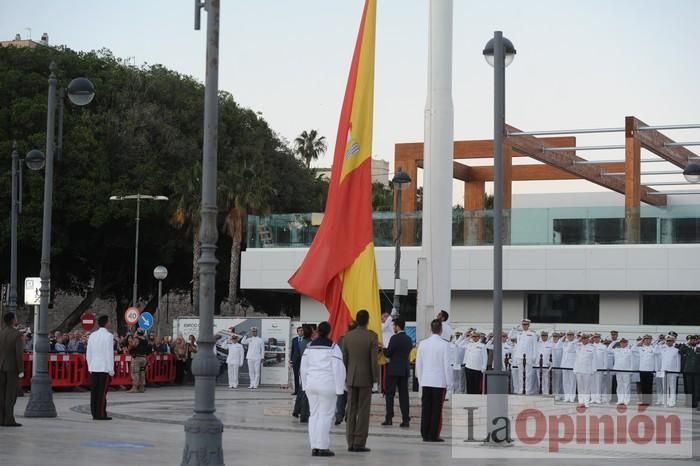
(499, 53)
(35, 161)
(400, 180)
(80, 92)
(204, 431)
(138, 197)
(160, 273)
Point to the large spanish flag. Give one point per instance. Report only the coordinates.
(339, 270)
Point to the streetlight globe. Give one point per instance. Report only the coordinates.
(509, 51)
(35, 159)
(400, 179)
(81, 91)
(692, 173)
(160, 273)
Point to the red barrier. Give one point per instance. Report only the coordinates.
(27, 379)
(160, 368)
(70, 370)
(122, 370)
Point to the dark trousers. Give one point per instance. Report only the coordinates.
(693, 389)
(8, 396)
(432, 399)
(340, 406)
(359, 400)
(295, 368)
(179, 371)
(98, 394)
(391, 383)
(646, 380)
(473, 381)
(613, 388)
(301, 405)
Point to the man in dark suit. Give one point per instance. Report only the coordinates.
(296, 357)
(11, 369)
(360, 351)
(397, 372)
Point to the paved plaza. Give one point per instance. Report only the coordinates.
(147, 429)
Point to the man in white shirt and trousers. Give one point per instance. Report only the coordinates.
(100, 361)
(670, 366)
(256, 353)
(600, 378)
(524, 355)
(623, 360)
(544, 360)
(434, 373)
(234, 361)
(567, 362)
(584, 368)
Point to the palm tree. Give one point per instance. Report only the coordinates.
(309, 146)
(188, 193)
(242, 190)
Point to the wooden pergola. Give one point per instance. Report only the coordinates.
(558, 162)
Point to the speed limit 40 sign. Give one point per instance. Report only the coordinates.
(131, 315)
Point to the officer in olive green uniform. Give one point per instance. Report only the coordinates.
(691, 369)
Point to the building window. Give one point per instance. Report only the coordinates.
(554, 308)
(671, 309)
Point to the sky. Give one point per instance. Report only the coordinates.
(580, 64)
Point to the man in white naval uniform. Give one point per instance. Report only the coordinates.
(544, 359)
(556, 374)
(475, 357)
(584, 368)
(524, 355)
(256, 353)
(670, 366)
(599, 377)
(567, 362)
(323, 379)
(647, 367)
(623, 361)
(100, 362)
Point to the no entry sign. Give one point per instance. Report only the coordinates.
(131, 315)
(87, 321)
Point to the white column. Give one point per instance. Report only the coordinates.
(437, 175)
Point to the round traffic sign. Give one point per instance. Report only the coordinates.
(87, 321)
(131, 315)
(146, 321)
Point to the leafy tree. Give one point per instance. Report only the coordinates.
(309, 146)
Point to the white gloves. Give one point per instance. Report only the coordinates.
(375, 388)
(21, 375)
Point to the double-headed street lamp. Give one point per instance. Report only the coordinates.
(499, 53)
(80, 92)
(400, 180)
(138, 197)
(34, 161)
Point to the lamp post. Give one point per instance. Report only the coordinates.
(35, 161)
(160, 273)
(138, 197)
(204, 431)
(499, 53)
(40, 404)
(400, 179)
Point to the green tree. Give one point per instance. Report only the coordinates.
(310, 146)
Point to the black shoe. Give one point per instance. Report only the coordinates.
(304, 420)
(405, 425)
(360, 449)
(295, 414)
(106, 418)
(314, 452)
(387, 423)
(325, 453)
(338, 421)
(439, 439)
(14, 424)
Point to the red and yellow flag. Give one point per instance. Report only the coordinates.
(339, 270)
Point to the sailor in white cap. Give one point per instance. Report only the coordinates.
(524, 356)
(670, 367)
(256, 353)
(567, 363)
(585, 368)
(544, 360)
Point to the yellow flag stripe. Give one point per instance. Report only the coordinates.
(361, 288)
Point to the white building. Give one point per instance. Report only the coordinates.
(380, 172)
(567, 267)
